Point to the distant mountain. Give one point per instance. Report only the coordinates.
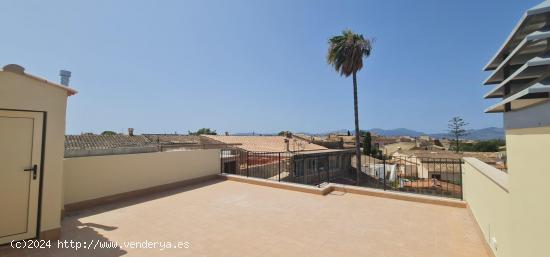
(478, 134)
(488, 133)
(473, 134)
(338, 132)
(396, 132)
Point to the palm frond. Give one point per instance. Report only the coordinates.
(346, 52)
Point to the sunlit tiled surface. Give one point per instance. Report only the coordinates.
(236, 219)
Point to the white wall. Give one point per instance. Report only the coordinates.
(87, 178)
(485, 189)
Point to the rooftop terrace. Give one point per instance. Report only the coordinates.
(229, 218)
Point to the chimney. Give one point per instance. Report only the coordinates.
(65, 76)
(131, 132)
(287, 145)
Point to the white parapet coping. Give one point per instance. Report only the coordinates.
(499, 177)
(330, 187)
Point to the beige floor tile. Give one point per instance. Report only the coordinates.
(236, 219)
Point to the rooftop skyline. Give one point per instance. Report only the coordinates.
(261, 66)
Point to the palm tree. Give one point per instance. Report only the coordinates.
(345, 54)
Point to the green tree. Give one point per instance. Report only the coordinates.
(108, 133)
(457, 130)
(367, 144)
(203, 131)
(284, 133)
(345, 54)
(483, 146)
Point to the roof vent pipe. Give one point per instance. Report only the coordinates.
(65, 76)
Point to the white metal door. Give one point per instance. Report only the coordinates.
(20, 153)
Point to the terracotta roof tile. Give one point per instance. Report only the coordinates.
(173, 138)
(90, 141)
(266, 143)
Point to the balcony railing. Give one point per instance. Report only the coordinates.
(420, 175)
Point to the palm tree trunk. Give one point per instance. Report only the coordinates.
(357, 133)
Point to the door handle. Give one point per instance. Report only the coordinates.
(34, 170)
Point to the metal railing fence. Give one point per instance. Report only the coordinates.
(420, 175)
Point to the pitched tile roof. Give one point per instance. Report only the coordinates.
(266, 143)
(173, 138)
(487, 157)
(90, 141)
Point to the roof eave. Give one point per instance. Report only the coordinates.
(70, 91)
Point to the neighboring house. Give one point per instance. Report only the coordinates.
(379, 141)
(348, 141)
(425, 138)
(334, 143)
(406, 139)
(173, 138)
(266, 143)
(446, 143)
(440, 165)
(428, 143)
(309, 137)
(392, 148)
(178, 142)
(92, 145)
(282, 158)
(89, 144)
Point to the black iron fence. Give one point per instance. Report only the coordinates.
(266, 165)
(420, 175)
(304, 167)
(412, 174)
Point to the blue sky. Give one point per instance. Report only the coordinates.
(242, 66)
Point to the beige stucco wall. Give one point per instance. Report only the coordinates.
(87, 178)
(528, 153)
(23, 93)
(519, 215)
(489, 201)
